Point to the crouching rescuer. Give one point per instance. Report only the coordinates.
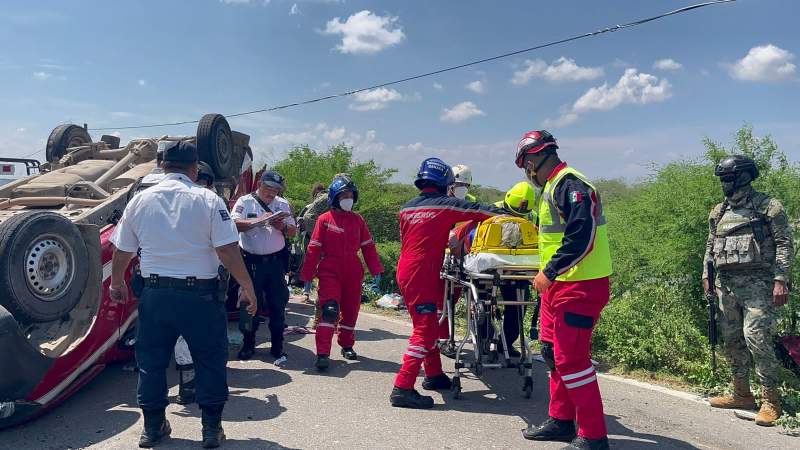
(425, 223)
(333, 257)
(750, 246)
(574, 286)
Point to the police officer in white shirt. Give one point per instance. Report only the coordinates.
(183, 231)
(264, 220)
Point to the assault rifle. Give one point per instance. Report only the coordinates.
(711, 298)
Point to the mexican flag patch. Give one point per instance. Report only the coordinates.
(575, 197)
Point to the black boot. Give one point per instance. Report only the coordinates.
(581, 443)
(323, 362)
(410, 398)
(156, 427)
(349, 353)
(551, 430)
(211, 419)
(186, 388)
(248, 347)
(440, 382)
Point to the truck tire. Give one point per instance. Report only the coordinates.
(43, 266)
(63, 137)
(215, 145)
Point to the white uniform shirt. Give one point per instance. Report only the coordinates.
(177, 224)
(262, 240)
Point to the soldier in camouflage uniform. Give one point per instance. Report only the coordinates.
(750, 243)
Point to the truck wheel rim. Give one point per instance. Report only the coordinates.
(49, 267)
(223, 147)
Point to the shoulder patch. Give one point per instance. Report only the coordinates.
(576, 196)
(239, 209)
(224, 214)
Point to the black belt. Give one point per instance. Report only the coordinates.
(157, 282)
(252, 257)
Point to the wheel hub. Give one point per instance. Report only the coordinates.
(49, 267)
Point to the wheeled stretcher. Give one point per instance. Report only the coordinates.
(479, 277)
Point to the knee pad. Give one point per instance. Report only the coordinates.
(548, 355)
(330, 311)
(425, 308)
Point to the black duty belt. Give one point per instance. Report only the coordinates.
(252, 257)
(157, 282)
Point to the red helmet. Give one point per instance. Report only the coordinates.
(534, 142)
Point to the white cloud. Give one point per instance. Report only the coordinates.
(478, 86)
(667, 64)
(121, 115)
(295, 10)
(365, 32)
(238, 2)
(20, 130)
(415, 147)
(41, 76)
(438, 86)
(632, 88)
(562, 69)
(374, 99)
(142, 82)
(764, 63)
(460, 112)
(335, 134)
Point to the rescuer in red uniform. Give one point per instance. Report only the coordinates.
(333, 257)
(425, 223)
(574, 284)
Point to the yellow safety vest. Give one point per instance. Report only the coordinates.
(597, 264)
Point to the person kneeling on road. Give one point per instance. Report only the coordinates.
(333, 256)
(425, 222)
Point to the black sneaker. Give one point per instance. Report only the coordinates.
(349, 353)
(323, 362)
(440, 382)
(581, 443)
(410, 398)
(551, 430)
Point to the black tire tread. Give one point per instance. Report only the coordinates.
(56, 142)
(206, 144)
(8, 232)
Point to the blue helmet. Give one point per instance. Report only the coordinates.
(436, 172)
(341, 183)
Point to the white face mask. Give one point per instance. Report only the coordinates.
(346, 204)
(460, 192)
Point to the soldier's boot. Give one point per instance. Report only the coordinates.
(213, 435)
(248, 346)
(770, 407)
(741, 398)
(186, 387)
(156, 428)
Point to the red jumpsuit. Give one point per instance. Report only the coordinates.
(570, 310)
(333, 257)
(425, 223)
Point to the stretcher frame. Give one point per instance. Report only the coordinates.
(454, 274)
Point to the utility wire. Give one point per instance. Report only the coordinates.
(437, 72)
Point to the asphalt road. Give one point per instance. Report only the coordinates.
(294, 407)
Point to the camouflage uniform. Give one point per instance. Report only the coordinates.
(748, 260)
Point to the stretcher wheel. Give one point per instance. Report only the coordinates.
(528, 387)
(456, 388)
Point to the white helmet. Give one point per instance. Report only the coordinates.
(462, 174)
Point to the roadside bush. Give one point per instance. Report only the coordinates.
(390, 254)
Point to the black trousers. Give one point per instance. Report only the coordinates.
(197, 315)
(269, 280)
(511, 313)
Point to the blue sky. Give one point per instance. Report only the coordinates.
(617, 103)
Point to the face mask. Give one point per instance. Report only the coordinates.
(346, 204)
(460, 192)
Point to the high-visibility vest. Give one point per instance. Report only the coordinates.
(597, 264)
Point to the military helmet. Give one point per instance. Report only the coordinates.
(204, 172)
(732, 166)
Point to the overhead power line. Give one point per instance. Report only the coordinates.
(436, 72)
